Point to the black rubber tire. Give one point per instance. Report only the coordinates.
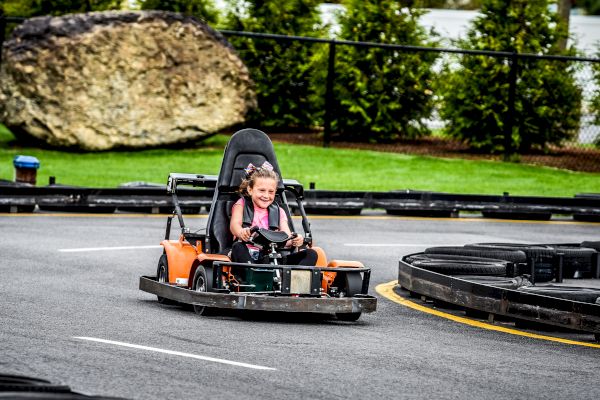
(201, 284)
(531, 250)
(515, 256)
(21, 383)
(577, 261)
(454, 267)
(162, 275)
(543, 255)
(353, 283)
(498, 281)
(591, 245)
(448, 257)
(522, 215)
(350, 317)
(582, 294)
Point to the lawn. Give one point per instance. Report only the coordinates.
(335, 169)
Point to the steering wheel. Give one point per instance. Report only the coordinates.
(264, 237)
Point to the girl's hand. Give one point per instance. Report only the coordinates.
(298, 241)
(245, 234)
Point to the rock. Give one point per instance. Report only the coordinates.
(113, 79)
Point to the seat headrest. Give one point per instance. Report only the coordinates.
(245, 147)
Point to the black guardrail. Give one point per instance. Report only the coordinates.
(505, 302)
(24, 198)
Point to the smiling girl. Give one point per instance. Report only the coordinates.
(260, 188)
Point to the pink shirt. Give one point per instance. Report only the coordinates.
(261, 215)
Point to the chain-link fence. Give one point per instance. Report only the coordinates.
(566, 132)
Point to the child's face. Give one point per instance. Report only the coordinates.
(263, 192)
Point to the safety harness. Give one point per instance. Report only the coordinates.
(249, 214)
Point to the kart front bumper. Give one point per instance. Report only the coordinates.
(360, 303)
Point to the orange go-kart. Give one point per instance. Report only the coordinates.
(195, 269)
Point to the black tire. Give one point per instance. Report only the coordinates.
(531, 250)
(591, 245)
(350, 317)
(498, 281)
(449, 257)
(520, 215)
(582, 294)
(453, 267)
(162, 276)
(201, 284)
(353, 284)
(515, 256)
(577, 261)
(543, 255)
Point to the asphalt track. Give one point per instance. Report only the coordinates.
(72, 313)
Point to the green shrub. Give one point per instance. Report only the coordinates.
(547, 106)
(382, 94)
(31, 8)
(283, 71)
(594, 106)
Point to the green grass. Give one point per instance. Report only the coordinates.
(336, 169)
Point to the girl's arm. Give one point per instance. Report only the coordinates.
(235, 224)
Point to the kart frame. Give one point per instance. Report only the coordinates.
(197, 252)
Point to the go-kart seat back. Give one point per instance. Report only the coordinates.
(245, 147)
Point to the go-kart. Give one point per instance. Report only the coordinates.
(196, 269)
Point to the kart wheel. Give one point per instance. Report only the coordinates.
(201, 284)
(351, 317)
(162, 276)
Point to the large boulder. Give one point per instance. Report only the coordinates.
(104, 80)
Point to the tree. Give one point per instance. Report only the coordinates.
(31, 8)
(591, 7)
(453, 4)
(283, 71)
(595, 103)
(547, 106)
(382, 94)
(202, 9)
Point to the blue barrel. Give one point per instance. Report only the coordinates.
(26, 169)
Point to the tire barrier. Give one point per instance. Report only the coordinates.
(153, 198)
(512, 280)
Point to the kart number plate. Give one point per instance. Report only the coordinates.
(300, 282)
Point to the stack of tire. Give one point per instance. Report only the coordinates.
(509, 265)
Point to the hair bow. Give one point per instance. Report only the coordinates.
(250, 169)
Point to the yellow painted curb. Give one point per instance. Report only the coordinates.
(387, 291)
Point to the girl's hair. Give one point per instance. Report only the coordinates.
(250, 180)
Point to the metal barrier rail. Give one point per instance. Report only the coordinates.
(564, 313)
(156, 199)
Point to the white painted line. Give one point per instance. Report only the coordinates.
(175, 353)
(108, 248)
(397, 245)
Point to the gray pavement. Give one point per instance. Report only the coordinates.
(52, 294)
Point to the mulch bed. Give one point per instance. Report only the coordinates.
(571, 158)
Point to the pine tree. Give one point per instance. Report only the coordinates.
(382, 94)
(547, 106)
(283, 71)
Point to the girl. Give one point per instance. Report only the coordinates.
(260, 187)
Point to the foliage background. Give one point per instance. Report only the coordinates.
(475, 96)
(382, 94)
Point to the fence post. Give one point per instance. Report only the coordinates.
(329, 95)
(513, 62)
(2, 29)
